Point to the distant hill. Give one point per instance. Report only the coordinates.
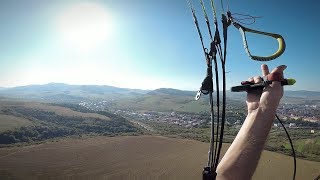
(67, 89)
(65, 92)
(303, 94)
(170, 91)
(59, 92)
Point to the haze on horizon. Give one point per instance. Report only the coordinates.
(144, 44)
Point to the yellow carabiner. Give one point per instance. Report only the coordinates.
(281, 43)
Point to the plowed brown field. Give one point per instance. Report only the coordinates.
(133, 157)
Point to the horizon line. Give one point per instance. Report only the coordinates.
(8, 87)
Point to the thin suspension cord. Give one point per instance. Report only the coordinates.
(217, 105)
(222, 58)
(228, 7)
(211, 157)
(243, 17)
(218, 109)
(222, 7)
(207, 19)
(214, 11)
(219, 49)
(213, 150)
(197, 26)
(293, 152)
(216, 47)
(223, 61)
(222, 115)
(209, 60)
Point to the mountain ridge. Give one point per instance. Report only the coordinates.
(84, 91)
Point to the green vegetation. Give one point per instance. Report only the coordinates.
(48, 124)
(200, 134)
(162, 103)
(74, 107)
(307, 145)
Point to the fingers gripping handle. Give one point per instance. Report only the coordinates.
(247, 86)
(281, 43)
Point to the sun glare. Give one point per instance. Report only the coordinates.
(84, 26)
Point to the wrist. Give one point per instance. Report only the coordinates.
(270, 109)
(269, 106)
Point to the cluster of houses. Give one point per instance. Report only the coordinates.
(300, 111)
(96, 106)
(190, 120)
(181, 119)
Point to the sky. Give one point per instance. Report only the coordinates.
(148, 44)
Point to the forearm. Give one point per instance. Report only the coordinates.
(242, 157)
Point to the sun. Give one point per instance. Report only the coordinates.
(84, 26)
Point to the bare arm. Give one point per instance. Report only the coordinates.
(241, 159)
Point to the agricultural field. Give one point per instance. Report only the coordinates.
(7, 105)
(8, 122)
(131, 157)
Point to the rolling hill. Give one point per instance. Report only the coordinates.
(59, 92)
(23, 122)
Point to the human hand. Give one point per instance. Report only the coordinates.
(268, 97)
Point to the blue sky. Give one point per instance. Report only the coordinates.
(146, 44)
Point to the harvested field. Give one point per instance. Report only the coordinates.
(50, 108)
(8, 122)
(130, 157)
